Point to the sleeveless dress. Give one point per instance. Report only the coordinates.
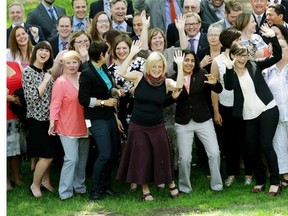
(147, 158)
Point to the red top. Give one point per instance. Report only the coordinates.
(14, 82)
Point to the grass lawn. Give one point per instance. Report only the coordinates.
(236, 200)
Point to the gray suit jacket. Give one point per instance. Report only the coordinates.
(156, 10)
(40, 17)
(207, 14)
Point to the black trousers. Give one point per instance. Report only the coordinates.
(259, 133)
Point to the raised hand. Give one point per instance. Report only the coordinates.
(136, 47)
(211, 79)
(228, 62)
(180, 22)
(178, 57)
(267, 31)
(145, 20)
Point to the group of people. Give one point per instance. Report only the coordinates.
(144, 87)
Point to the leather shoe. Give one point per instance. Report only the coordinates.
(95, 196)
(110, 192)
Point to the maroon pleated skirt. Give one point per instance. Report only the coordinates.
(147, 157)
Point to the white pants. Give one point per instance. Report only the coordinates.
(73, 172)
(205, 131)
(280, 144)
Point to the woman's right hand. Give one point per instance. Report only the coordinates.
(228, 62)
(136, 47)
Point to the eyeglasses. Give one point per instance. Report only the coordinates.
(242, 56)
(213, 35)
(79, 42)
(191, 24)
(103, 21)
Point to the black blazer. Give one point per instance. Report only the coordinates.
(203, 42)
(54, 43)
(255, 68)
(27, 26)
(40, 17)
(92, 85)
(98, 6)
(261, 23)
(172, 35)
(194, 105)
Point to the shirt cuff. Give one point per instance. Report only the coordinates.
(92, 102)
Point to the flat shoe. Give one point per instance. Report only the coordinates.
(147, 197)
(258, 188)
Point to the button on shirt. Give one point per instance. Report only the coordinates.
(278, 83)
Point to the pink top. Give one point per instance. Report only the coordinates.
(66, 110)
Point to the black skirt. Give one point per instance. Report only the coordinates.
(39, 143)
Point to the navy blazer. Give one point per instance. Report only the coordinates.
(27, 26)
(98, 6)
(203, 42)
(255, 68)
(194, 105)
(40, 17)
(91, 84)
(54, 41)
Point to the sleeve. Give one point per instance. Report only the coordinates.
(56, 99)
(228, 79)
(85, 85)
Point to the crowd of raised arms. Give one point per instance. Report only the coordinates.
(135, 86)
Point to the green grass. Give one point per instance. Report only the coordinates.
(236, 200)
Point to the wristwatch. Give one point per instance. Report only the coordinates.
(102, 102)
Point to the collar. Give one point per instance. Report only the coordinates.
(22, 24)
(76, 21)
(123, 25)
(196, 37)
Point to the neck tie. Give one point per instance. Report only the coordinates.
(53, 18)
(191, 40)
(118, 27)
(80, 26)
(64, 45)
(259, 18)
(187, 83)
(172, 11)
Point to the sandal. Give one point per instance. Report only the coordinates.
(258, 188)
(147, 197)
(173, 195)
(274, 190)
(284, 183)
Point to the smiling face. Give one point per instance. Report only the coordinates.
(192, 26)
(79, 9)
(258, 6)
(157, 42)
(118, 12)
(188, 64)
(137, 25)
(273, 18)
(42, 56)
(64, 27)
(103, 24)
(213, 36)
(21, 37)
(191, 6)
(251, 26)
(240, 59)
(157, 69)
(122, 51)
(16, 14)
(217, 3)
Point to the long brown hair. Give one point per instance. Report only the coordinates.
(94, 34)
(14, 48)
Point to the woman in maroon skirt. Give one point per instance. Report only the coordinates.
(147, 158)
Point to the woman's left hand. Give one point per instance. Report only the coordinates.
(211, 79)
(178, 57)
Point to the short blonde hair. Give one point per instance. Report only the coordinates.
(153, 58)
(71, 54)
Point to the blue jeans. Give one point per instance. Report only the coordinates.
(106, 137)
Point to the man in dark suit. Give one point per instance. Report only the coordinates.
(46, 15)
(60, 41)
(104, 5)
(172, 32)
(16, 15)
(197, 39)
(258, 13)
(118, 14)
